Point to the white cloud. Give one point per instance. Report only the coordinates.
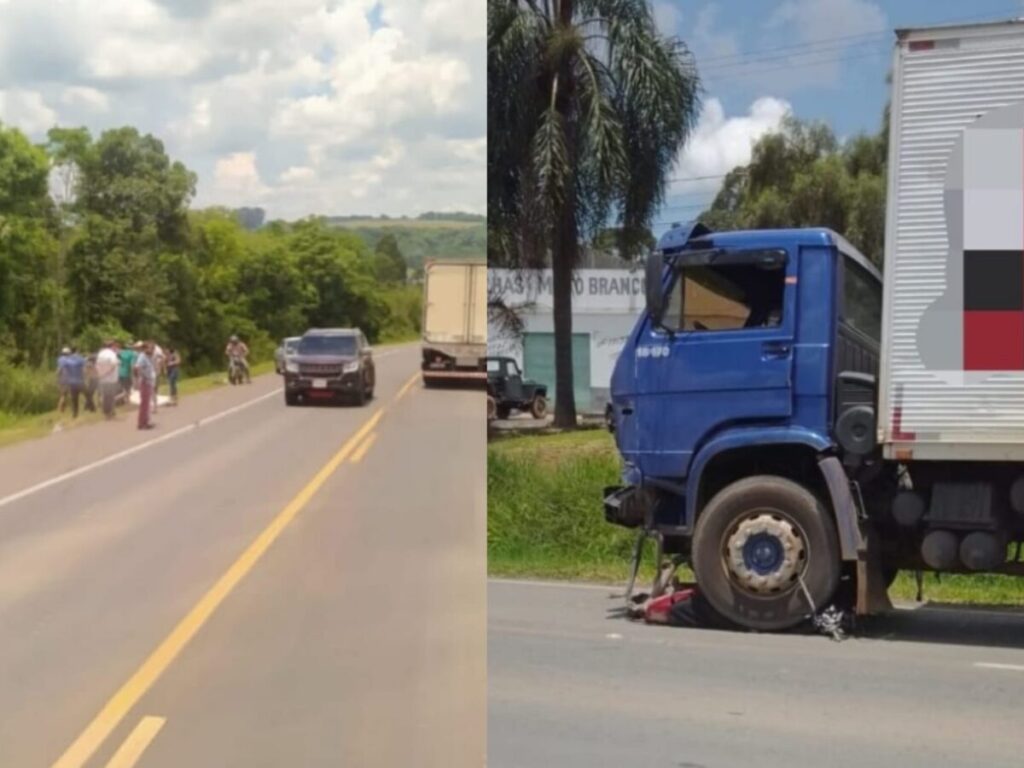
(84, 96)
(238, 180)
(280, 104)
(297, 173)
(720, 143)
(27, 111)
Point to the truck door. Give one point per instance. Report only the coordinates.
(723, 356)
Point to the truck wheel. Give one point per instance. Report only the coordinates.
(539, 407)
(290, 398)
(492, 409)
(360, 397)
(754, 541)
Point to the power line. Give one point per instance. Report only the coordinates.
(822, 45)
(795, 58)
(756, 52)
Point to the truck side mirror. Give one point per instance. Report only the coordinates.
(652, 277)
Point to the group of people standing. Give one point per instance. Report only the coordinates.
(114, 373)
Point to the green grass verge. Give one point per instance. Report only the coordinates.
(545, 520)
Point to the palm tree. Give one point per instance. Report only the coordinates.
(588, 105)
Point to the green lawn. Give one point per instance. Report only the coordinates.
(545, 520)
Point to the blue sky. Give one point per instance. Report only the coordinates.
(822, 59)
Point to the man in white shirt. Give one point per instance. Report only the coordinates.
(107, 367)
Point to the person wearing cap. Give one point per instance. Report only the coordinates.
(107, 370)
(62, 378)
(70, 378)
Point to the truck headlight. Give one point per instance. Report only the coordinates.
(350, 367)
(291, 367)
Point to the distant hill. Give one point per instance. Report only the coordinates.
(430, 236)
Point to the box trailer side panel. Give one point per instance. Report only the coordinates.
(952, 374)
(445, 303)
(478, 305)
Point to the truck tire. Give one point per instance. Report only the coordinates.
(539, 407)
(290, 398)
(753, 542)
(360, 396)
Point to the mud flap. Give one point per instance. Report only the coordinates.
(872, 594)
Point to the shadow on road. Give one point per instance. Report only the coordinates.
(994, 627)
(950, 624)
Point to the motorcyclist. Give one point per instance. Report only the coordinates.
(238, 352)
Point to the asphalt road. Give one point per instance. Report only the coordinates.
(571, 683)
(271, 587)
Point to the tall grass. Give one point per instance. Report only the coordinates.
(544, 513)
(26, 391)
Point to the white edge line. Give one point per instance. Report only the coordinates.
(134, 449)
(149, 443)
(993, 665)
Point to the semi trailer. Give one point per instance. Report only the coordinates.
(454, 322)
(793, 425)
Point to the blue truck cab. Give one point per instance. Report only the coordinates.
(746, 391)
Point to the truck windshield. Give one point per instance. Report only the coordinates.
(328, 345)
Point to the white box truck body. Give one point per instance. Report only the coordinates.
(952, 368)
(454, 321)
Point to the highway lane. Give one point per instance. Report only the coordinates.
(573, 684)
(344, 552)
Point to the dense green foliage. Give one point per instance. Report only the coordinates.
(588, 106)
(421, 240)
(113, 250)
(801, 176)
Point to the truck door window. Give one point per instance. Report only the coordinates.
(726, 297)
(862, 300)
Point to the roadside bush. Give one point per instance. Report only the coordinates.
(404, 313)
(544, 512)
(26, 390)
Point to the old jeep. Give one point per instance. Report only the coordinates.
(507, 391)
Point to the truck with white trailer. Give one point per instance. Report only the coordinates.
(791, 423)
(454, 322)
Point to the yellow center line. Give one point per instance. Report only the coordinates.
(144, 733)
(405, 387)
(128, 695)
(362, 449)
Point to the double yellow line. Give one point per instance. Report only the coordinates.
(114, 711)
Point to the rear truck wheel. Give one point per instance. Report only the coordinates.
(753, 543)
(360, 397)
(290, 398)
(492, 409)
(539, 407)
(504, 412)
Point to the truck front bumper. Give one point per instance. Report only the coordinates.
(625, 505)
(348, 383)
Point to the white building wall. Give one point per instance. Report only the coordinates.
(606, 304)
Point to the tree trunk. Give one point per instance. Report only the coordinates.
(564, 260)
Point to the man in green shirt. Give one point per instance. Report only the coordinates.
(126, 357)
